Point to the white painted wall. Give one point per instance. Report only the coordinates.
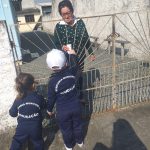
(7, 76)
(26, 4)
(101, 7)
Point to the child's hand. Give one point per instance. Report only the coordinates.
(65, 48)
(68, 49)
(50, 113)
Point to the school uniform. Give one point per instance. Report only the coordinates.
(62, 91)
(29, 118)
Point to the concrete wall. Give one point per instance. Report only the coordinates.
(7, 76)
(101, 7)
(28, 4)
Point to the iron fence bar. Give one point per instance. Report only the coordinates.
(126, 88)
(96, 48)
(143, 30)
(135, 79)
(24, 61)
(99, 44)
(137, 29)
(14, 62)
(15, 52)
(140, 91)
(11, 45)
(133, 44)
(143, 90)
(90, 65)
(88, 37)
(148, 89)
(148, 23)
(84, 17)
(130, 98)
(130, 32)
(97, 56)
(113, 63)
(81, 41)
(58, 37)
(41, 40)
(51, 40)
(49, 37)
(118, 83)
(32, 43)
(100, 34)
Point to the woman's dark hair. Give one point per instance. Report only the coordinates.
(24, 82)
(65, 3)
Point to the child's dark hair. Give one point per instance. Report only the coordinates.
(24, 82)
(65, 3)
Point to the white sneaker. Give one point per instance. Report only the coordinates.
(81, 145)
(68, 148)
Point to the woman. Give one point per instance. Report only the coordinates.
(71, 33)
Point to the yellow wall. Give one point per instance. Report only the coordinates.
(27, 27)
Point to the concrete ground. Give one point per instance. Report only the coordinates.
(127, 129)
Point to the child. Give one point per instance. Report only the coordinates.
(27, 108)
(62, 90)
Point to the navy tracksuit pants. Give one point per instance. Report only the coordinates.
(70, 124)
(28, 131)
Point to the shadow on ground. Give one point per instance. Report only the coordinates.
(124, 138)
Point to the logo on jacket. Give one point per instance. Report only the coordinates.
(67, 90)
(31, 115)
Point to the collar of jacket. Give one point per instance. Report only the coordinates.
(64, 23)
(59, 72)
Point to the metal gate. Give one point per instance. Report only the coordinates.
(119, 77)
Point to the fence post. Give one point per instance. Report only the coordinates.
(14, 51)
(113, 63)
(122, 51)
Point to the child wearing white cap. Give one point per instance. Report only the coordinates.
(62, 91)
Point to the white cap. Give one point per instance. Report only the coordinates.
(56, 59)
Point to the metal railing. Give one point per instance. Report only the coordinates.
(132, 85)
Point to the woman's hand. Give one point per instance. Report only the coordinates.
(92, 57)
(71, 51)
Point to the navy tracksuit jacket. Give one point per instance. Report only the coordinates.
(62, 90)
(29, 117)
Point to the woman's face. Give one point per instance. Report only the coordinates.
(67, 15)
